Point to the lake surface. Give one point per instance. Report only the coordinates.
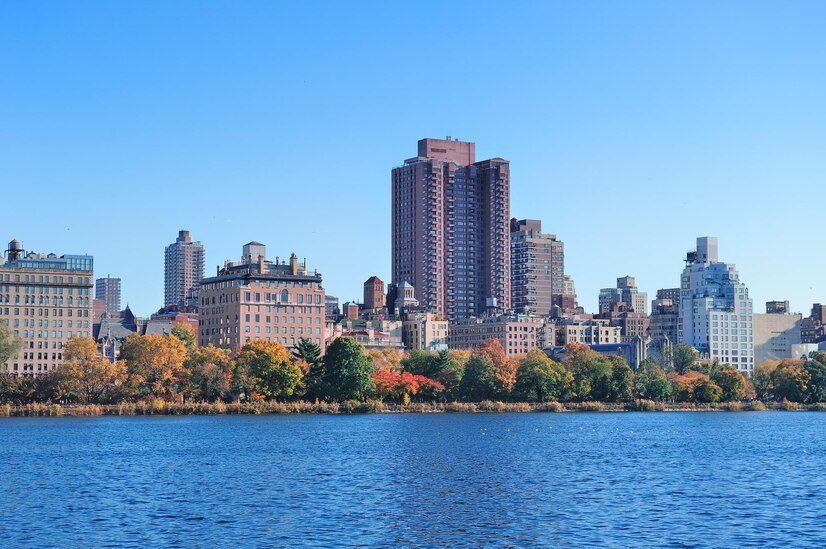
(608, 479)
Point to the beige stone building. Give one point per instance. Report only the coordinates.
(589, 332)
(425, 331)
(775, 334)
(44, 300)
(517, 333)
(256, 299)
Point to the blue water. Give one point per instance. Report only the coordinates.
(609, 479)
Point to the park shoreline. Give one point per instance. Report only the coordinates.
(162, 408)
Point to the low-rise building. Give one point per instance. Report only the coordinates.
(775, 334)
(593, 331)
(425, 331)
(518, 333)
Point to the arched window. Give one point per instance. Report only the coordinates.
(285, 296)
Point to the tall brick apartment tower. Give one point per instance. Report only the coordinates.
(451, 228)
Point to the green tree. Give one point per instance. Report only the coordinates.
(541, 379)
(478, 379)
(421, 363)
(310, 355)
(592, 372)
(790, 381)
(451, 366)
(622, 380)
(347, 371)
(816, 390)
(269, 369)
(185, 333)
(9, 345)
(684, 357)
(732, 383)
(650, 382)
(761, 378)
(11, 390)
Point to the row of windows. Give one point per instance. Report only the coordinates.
(54, 279)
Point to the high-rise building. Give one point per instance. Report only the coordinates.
(44, 301)
(108, 290)
(257, 299)
(183, 269)
(625, 293)
(715, 308)
(373, 293)
(450, 229)
(537, 267)
(776, 332)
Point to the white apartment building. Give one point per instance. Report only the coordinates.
(715, 308)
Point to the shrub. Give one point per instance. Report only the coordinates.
(550, 407)
(645, 405)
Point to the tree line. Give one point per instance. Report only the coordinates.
(173, 368)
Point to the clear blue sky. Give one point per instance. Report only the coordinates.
(631, 127)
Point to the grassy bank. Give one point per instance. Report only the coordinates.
(159, 407)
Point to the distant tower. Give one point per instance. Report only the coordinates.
(373, 293)
(108, 290)
(184, 269)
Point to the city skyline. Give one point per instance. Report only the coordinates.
(722, 138)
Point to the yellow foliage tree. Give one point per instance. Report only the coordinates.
(389, 359)
(155, 365)
(86, 376)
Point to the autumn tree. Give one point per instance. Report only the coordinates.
(346, 373)
(504, 367)
(155, 365)
(694, 386)
(268, 369)
(210, 373)
(541, 379)
(86, 376)
(402, 387)
(389, 358)
(185, 333)
(731, 382)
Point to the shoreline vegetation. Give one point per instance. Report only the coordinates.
(172, 375)
(163, 408)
